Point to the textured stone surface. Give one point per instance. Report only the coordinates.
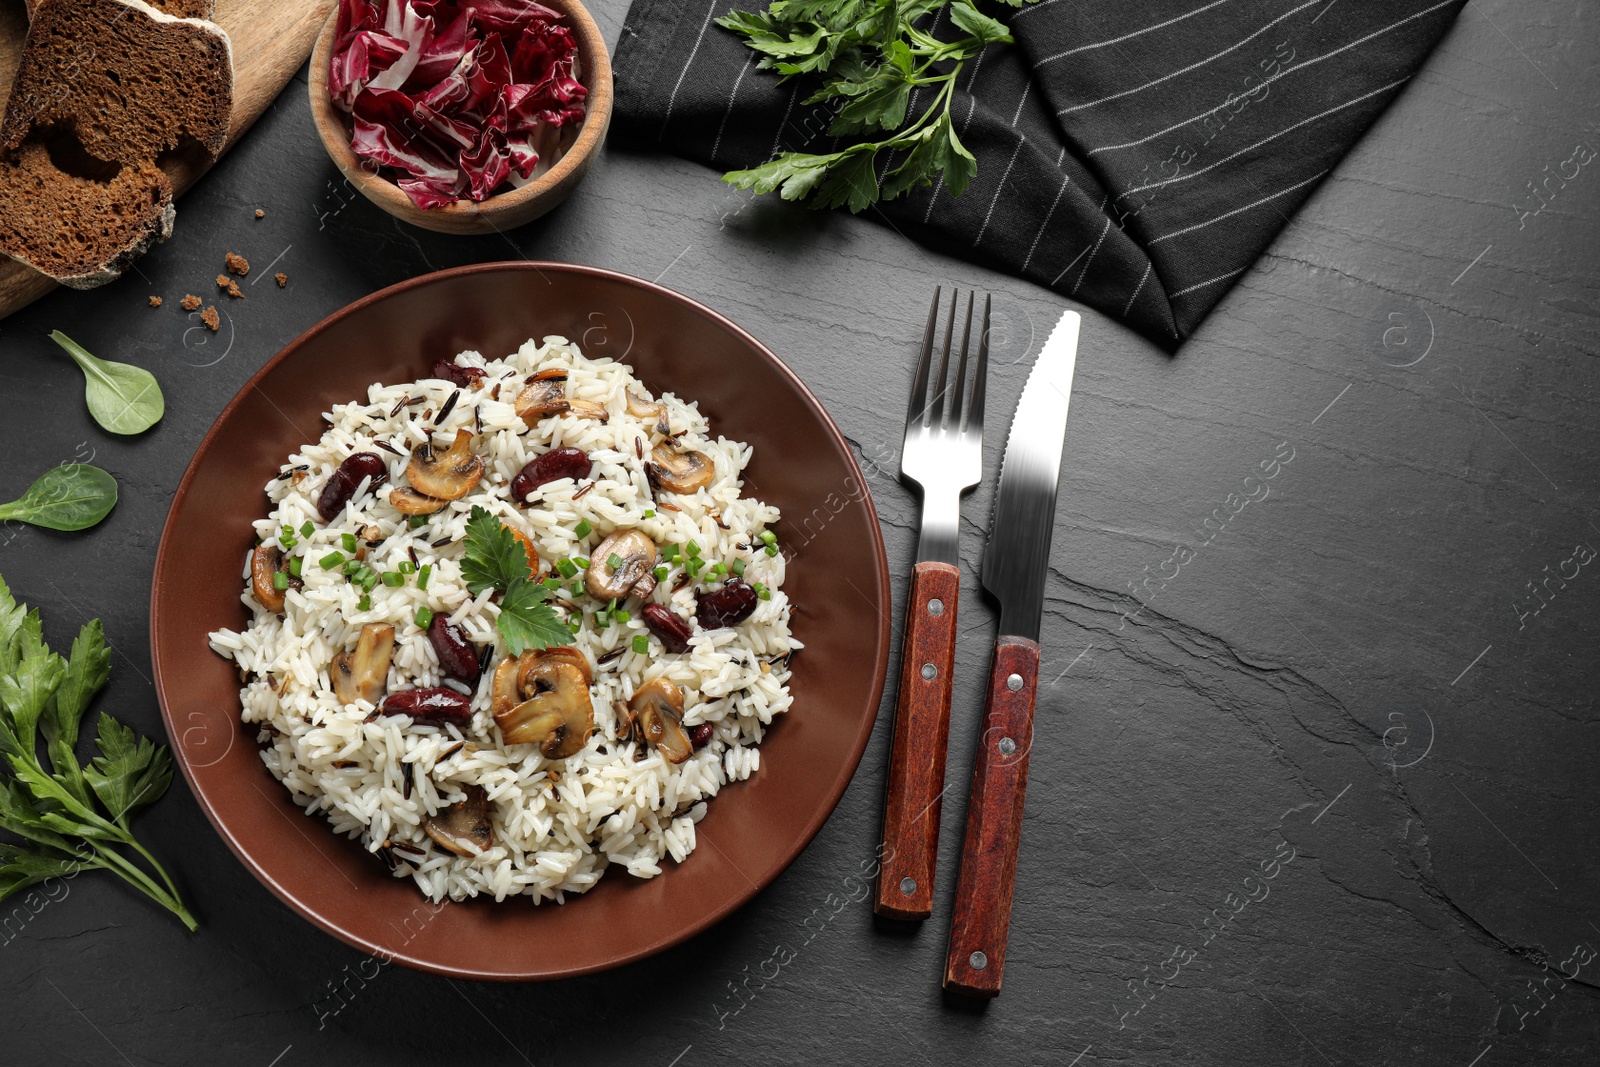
(1341, 671)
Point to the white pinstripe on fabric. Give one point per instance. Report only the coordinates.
(1264, 140)
(732, 96)
(1124, 37)
(1208, 281)
(1137, 289)
(1192, 66)
(673, 99)
(998, 190)
(1281, 74)
(777, 142)
(1045, 225)
(1237, 210)
(1093, 252)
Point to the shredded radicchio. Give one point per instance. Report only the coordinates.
(455, 97)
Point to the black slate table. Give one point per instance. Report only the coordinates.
(1316, 790)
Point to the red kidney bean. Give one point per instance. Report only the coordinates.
(457, 656)
(342, 483)
(438, 705)
(673, 631)
(728, 606)
(700, 736)
(462, 376)
(557, 463)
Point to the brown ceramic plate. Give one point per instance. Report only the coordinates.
(838, 581)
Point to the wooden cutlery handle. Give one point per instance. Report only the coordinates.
(982, 913)
(921, 738)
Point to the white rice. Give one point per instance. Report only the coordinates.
(558, 824)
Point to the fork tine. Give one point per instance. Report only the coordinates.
(919, 382)
(980, 376)
(958, 384)
(936, 407)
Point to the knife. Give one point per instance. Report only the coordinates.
(1015, 561)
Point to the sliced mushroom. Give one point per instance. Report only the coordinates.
(265, 564)
(542, 698)
(545, 394)
(635, 554)
(463, 828)
(371, 536)
(588, 409)
(640, 408)
(680, 470)
(528, 549)
(362, 672)
(447, 475)
(658, 709)
(408, 501)
(624, 717)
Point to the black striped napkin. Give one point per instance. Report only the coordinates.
(1136, 157)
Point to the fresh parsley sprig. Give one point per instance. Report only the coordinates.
(70, 817)
(870, 56)
(495, 559)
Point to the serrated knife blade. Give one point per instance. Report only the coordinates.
(1017, 555)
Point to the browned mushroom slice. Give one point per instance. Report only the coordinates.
(513, 677)
(588, 409)
(265, 565)
(463, 828)
(545, 394)
(447, 475)
(658, 710)
(680, 470)
(558, 716)
(363, 672)
(620, 565)
(640, 408)
(408, 501)
(624, 717)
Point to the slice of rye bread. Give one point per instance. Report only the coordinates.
(105, 88)
(183, 9)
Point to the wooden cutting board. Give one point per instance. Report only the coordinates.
(271, 40)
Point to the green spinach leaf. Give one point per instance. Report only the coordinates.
(122, 398)
(73, 496)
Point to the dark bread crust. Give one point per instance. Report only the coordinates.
(183, 9)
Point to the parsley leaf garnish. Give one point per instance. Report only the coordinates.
(495, 559)
(870, 57)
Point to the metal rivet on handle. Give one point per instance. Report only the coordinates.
(978, 960)
(1006, 746)
(908, 886)
(935, 606)
(929, 671)
(1014, 682)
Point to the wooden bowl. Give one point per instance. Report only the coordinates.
(500, 212)
(838, 580)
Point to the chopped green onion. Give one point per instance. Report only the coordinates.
(331, 560)
(353, 567)
(295, 564)
(349, 541)
(693, 567)
(620, 617)
(582, 562)
(566, 567)
(423, 618)
(393, 579)
(574, 625)
(308, 528)
(287, 538)
(613, 561)
(768, 537)
(407, 567)
(551, 584)
(583, 529)
(364, 604)
(416, 521)
(771, 550)
(719, 568)
(649, 513)
(763, 593)
(641, 644)
(693, 548)
(576, 588)
(280, 581)
(423, 575)
(661, 574)
(738, 566)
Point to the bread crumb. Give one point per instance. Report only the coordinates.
(223, 281)
(237, 264)
(155, 301)
(260, 214)
(212, 320)
(190, 303)
(282, 278)
(229, 286)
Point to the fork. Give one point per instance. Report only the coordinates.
(943, 456)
